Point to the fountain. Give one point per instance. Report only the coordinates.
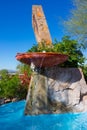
(51, 88)
(40, 59)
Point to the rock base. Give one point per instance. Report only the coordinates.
(56, 90)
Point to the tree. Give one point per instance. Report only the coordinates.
(4, 74)
(11, 87)
(76, 24)
(23, 68)
(24, 74)
(73, 50)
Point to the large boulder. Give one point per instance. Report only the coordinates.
(67, 85)
(57, 90)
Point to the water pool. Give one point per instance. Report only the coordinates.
(12, 118)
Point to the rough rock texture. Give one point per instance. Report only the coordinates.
(37, 95)
(57, 90)
(40, 25)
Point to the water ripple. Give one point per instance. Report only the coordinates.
(12, 118)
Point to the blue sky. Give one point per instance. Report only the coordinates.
(16, 32)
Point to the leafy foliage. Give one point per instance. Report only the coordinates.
(10, 86)
(76, 25)
(23, 68)
(72, 49)
(41, 48)
(26, 74)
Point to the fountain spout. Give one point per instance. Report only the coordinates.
(32, 66)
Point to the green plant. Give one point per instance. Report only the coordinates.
(11, 87)
(41, 47)
(73, 50)
(67, 46)
(76, 24)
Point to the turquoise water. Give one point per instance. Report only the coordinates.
(12, 118)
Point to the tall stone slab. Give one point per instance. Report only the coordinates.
(40, 25)
(37, 102)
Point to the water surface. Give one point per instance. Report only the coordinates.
(12, 118)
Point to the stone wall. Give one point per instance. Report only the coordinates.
(57, 90)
